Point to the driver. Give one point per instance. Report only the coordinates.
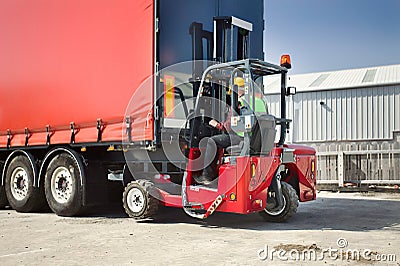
(227, 138)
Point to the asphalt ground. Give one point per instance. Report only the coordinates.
(323, 232)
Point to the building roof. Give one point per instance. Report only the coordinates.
(342, 79)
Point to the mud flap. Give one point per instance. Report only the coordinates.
(275, 189)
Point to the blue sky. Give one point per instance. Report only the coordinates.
(324, 35)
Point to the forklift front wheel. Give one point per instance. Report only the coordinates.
(140, 199)
(289, 208)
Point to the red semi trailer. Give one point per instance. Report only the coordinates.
(91, 94)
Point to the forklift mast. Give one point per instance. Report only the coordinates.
(227, 32)
(230, 41)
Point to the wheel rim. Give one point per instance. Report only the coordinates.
(19, 183)
(275, 212)
(135, 200)
(61, 184)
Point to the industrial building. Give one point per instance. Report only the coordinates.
(352, 118)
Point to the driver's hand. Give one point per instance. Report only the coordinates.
(213, 123)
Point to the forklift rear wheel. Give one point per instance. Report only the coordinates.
(140, 199)
(289, 208)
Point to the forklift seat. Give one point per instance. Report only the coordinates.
(261, 140)
(263, 135)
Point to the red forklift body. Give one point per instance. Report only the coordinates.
(243, 184)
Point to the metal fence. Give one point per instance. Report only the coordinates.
(359, 167)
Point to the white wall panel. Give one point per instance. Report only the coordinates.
(352, 114)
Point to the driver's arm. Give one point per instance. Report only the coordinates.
(222, 126)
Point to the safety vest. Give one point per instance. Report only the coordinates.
(259, 106)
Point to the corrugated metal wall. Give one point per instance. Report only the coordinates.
(342, 115)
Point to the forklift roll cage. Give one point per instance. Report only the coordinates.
(252, 69)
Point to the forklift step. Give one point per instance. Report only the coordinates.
(194, 206)
(195, 210)
(198, 188)
(212, 186)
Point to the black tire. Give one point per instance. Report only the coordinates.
(291, 202)
(140, 199)
(21, 194)
(63, 187)
(3, 198)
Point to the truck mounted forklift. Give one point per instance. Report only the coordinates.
(257, 175)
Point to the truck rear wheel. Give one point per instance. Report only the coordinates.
(140, 199)
(63, 186)
(289, 208)
(21, 194)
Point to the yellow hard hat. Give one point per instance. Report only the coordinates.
(238, 81)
